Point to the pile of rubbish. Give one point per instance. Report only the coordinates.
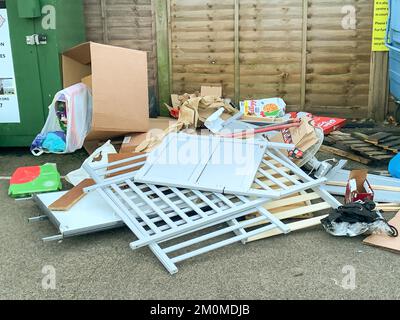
(209, 176)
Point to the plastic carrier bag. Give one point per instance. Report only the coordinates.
(68, 123)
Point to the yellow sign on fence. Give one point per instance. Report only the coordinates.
(381, 13)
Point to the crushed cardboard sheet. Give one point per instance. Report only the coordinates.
(304, 136)
(385, 241)
(194, 110)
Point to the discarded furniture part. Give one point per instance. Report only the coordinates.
(134, 164)
(91, 214)
(384, 241)
(320, 169)
(157, 215)
(71, 197)
(386, 189)
(309, 201)
(388, 207)
(229, 166)
(353, 143)
(216, 124)
(99, 156)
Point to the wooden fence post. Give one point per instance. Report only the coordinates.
(379, 86)
(303, 83)
(237, 53)
(104, 20)
(163, 59)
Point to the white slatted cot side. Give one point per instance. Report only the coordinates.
(267, 170)
(156, 224)
(209, 170)
(159, 214)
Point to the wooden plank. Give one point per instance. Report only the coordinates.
(389, 139)
(68, 200)
(294, 226)
(374, 187)
(163, 60)
(344, 154)
(296, 212)
(377, 137)
(291, 200)
(392, 143)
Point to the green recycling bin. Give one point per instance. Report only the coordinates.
(33, 34)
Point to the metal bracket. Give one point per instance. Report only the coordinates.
(38, 218)
(56, 237)
(36, 39)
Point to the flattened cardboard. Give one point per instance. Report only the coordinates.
(132, 141)
(304, 136)
(175, 101)
(211, 91)
(119, 86)
(385, 241)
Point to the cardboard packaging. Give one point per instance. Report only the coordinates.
(264, 108)
(207, 91)
(327, 124)
(157, 127)
(358, 187)
(119, 83)
(303, 137)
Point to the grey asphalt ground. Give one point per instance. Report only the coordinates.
(306, 264)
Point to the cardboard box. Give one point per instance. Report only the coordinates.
(88, 81)
(211, 91)
(358, 187)
(119, 82)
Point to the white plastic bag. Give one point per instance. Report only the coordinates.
(78, 101)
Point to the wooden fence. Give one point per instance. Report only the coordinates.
(315, 54)
(126, 23)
